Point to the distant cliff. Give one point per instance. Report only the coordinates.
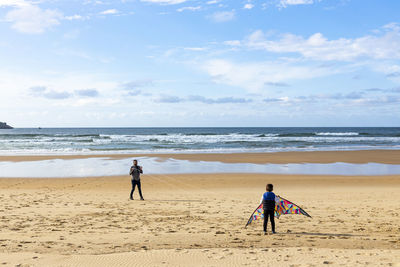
(4, 125)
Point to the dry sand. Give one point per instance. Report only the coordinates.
(198, 220)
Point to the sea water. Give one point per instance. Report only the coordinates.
(193, 140)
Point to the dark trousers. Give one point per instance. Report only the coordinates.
(269, 213)
(134, 183)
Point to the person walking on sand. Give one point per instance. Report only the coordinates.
(135, 171)
(268, 200)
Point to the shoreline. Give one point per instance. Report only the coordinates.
(323, 178)
(351, 156)
(251, 179)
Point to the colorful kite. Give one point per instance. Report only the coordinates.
(282, 206)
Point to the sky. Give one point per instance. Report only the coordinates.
(177, 63)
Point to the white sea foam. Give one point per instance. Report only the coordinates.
(338, 134)
(84, 151)
(105, 141)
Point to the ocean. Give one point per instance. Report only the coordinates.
(30, 141)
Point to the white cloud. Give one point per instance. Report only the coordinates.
(190, 8)
(14, 3)
(285, 3)
(32, 19)
(248, 6)
(383, 45)
(195, 48)
(254, 76)
(223, 16)
(392, 26)
(74, 17)
(165, 2)
(232, 43)
(42, 91)
(391, 71)
(109, 12)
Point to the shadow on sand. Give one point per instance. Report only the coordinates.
(319, 234)
(173, 200)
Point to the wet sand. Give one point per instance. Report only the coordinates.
(360, 156)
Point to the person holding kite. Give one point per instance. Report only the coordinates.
(268, 201)
(274, 206)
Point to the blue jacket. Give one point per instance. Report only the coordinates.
(268, 201)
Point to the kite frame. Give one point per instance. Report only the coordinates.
(251, 216)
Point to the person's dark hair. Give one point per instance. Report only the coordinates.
(270, 187)
(135, 160)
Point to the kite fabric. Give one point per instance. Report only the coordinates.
(282, 206)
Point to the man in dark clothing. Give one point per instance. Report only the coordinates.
(135, 171)
(268, 200)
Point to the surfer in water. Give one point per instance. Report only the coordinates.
(135, 171)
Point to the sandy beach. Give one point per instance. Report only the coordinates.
(199, 219)
(203, 105)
